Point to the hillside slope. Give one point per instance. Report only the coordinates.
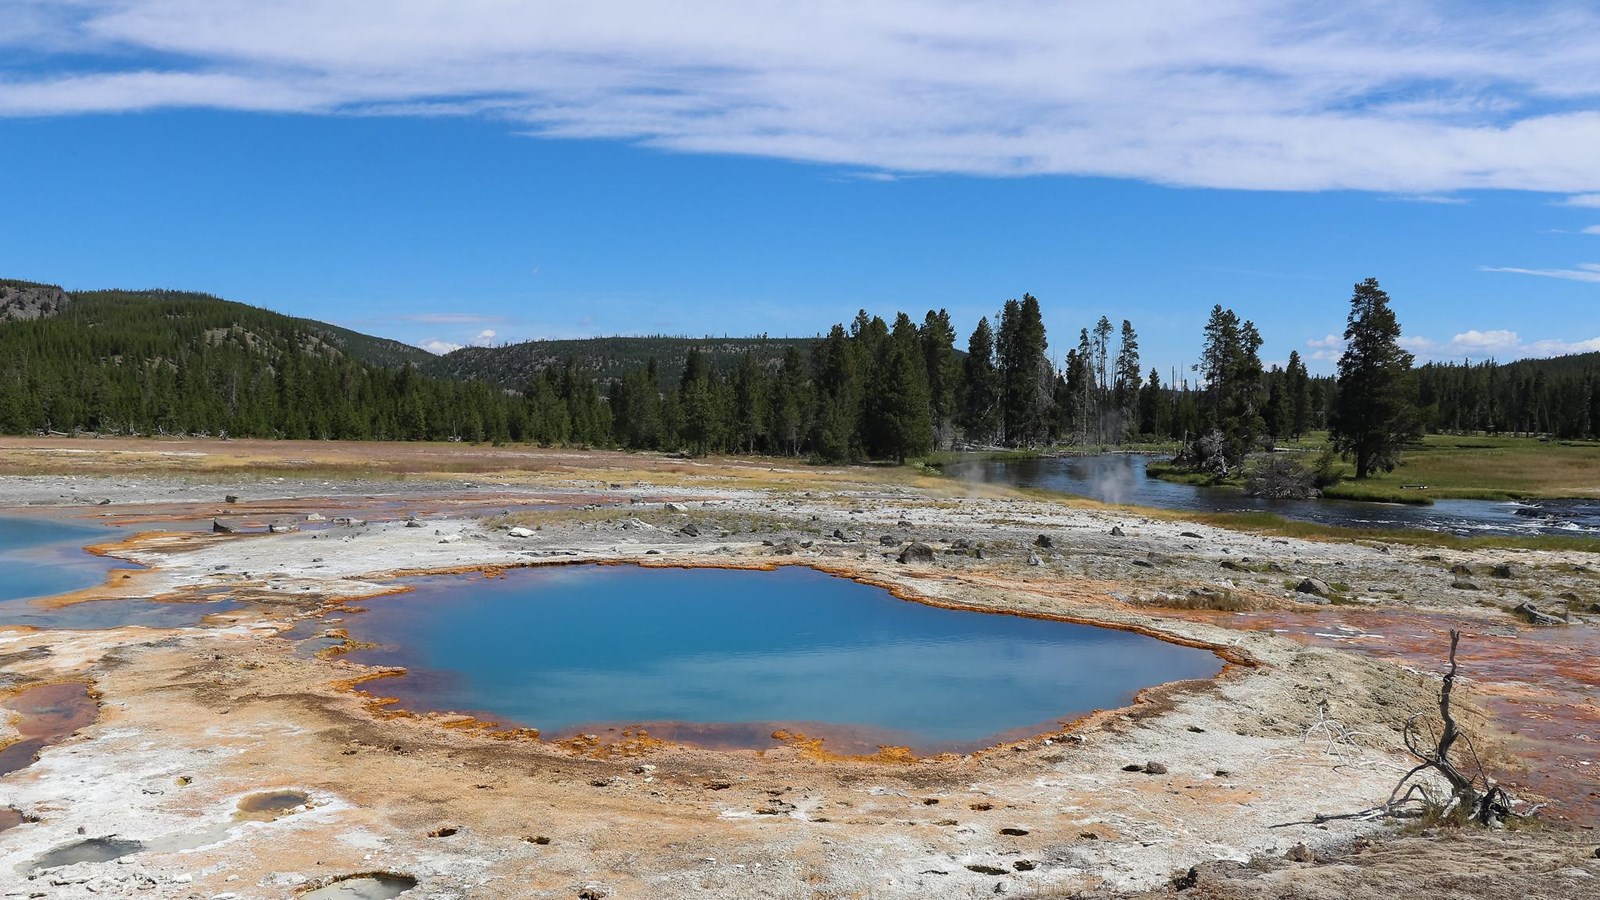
(609, 358)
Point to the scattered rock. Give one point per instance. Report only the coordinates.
(443, 831)
(1116, 531)
(520, 532)
(982, 869)
(918, 552)
(690, 530)
(1300, 853)
(1462, 584)
(889, 540)
(1505, 570)
(1232, 566)
(1535, 615)
(1024, 865)
(231, 498)
(675, 507)
(1013, 832)
(450, 538)
(839, 535)
(1189, 534)
(316, 517)
(1315, 587)
(1034, 560)
(1460, 569)
(220, 527)
(413, 522)
(1044, 541)
(1143, 563)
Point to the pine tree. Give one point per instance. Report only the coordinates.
(1298, 386)
(1375, 417)
(938, 340)
(980, 387)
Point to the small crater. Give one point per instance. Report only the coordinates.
(270, 805)
(371, 886)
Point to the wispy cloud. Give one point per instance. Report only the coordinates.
(1587, 201)
(1326, 349)
(1584, 271)
(1416, 99)
(1592, 229)
(1500, 343)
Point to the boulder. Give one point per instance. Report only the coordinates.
(1045, 541)
(316, 517)
(917, 553)
(231, 498)
(220, 527)
(520, 532)
(413, 522)
(1143, 563)
(1535, 615)
(675, 507)
(283, 526)
(1034, 560)
(1505, 570)
(1463, 584)
(889, 540)
(1460, 569)
(690, 530)
(839, 535)
(1316, 587)
(1116, 531)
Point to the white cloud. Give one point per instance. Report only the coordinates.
(1326, 349)
(483, 338)
(439, 348)
(1501, 344)
(1587, 201)
(1592, 229)
(1420, 98)
(1584, 272)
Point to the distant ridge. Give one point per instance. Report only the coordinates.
(609, 358)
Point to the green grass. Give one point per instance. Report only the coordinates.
(1457, 467)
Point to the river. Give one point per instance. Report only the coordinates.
(1121, 478)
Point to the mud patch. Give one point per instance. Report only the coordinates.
(47, 714)
(373, 886)
(90, 851)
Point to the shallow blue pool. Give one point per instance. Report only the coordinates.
(44, 557)
(724, 658)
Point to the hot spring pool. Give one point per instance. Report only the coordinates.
(723, 658)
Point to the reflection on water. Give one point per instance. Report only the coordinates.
(568, 650)
(1120, 478)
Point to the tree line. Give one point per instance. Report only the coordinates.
(897, 388)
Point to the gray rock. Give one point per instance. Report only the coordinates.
(1315, 587)
(675, 507)
(1535, 615)
(1505, 570)
(1463, 584)
(520, 532)
(1034, 560)
(917, 553)
(1044, 541)
(889, 540)
(1116, 531)
(839, 535)
(283, 526)
(690, 530)
(1143, 563)
(220, 527)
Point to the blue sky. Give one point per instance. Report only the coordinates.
(482, 172)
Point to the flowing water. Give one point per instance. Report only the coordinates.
(1120, 478)
(724, 658)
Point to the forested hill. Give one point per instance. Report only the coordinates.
(174, 362)
(611, 358)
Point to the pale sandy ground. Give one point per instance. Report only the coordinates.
(195, 719)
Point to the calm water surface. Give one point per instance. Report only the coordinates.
(722, 658)
(43, 557)
(1120, 478)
